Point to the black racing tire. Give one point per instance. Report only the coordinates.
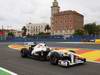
(42, 59)
(24, 52)
(54, 57)
(84, 60)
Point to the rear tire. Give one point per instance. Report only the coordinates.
(24, 52)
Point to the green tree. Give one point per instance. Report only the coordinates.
(24, 30)
(10, 34)
(90, 28)
(98, 30)
(41, 33)
(79, 32)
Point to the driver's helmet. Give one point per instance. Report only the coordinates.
(31, 43)
(44, 43)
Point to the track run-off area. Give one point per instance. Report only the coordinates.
(11, 60)
(4, 71)
(90, 55)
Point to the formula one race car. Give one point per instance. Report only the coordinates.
(36, 51)
(65, 58)
(55, 56)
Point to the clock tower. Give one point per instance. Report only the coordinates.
(54, 8)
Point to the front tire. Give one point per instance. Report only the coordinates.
(24, 52)
(84, 60)
(54, 57)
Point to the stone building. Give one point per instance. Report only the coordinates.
(65, 22)
(33, 29)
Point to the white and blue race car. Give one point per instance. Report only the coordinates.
(61, 57)
(65, 58)
(36, 51)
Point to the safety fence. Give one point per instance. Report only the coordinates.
(56, 38)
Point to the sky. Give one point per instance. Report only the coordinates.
(16, 13)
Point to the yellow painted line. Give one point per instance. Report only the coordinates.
(91, 56)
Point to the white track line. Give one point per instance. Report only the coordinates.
(10, 72)
(78, 42)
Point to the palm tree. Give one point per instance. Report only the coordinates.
(24, 30)
(47, 28)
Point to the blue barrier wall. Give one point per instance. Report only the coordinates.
(52, 38)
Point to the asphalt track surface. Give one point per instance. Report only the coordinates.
(11, 60)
